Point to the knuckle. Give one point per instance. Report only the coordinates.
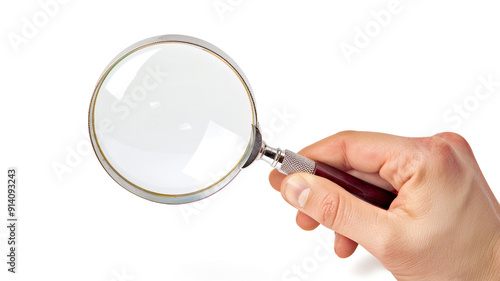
(330, 210)
(345, 133)
(456, 140)
(440, 146)
(441, 153)
(451, 137)
(444, 159)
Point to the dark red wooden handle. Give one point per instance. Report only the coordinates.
(359, 188)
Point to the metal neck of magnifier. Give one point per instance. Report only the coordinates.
(286, 161)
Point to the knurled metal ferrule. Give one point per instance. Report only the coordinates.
(295, 163)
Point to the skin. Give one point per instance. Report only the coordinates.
(443, 225)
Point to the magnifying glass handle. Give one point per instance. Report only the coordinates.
(359, 188)
(291, 162)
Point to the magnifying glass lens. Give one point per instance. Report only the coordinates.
(172, 118)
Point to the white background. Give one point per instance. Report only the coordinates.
(83, 226)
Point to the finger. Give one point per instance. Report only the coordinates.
(306, 222)
(388, 155)
(344, 247)
(335, 208)
(275, 179)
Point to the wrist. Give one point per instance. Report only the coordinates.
(495, 265)
(492, 265)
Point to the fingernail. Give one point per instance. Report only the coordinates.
(296, 191)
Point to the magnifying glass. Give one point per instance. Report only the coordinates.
(173, 120)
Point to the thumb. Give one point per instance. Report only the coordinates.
(337, 209)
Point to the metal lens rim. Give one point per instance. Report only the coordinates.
(143, 192)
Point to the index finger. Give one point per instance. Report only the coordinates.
(388, 155)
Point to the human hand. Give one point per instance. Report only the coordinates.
(443, 225)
